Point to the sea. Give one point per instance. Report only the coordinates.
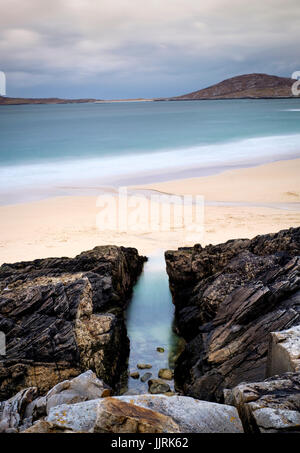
(75, 149)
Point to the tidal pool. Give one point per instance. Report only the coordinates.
(150, 317)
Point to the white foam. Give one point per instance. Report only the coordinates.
(106, 170)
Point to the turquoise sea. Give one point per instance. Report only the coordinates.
(72, 149)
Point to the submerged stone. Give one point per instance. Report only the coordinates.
(135, 375)
(157, 386)
(144, 366)
(165, 373)
(146, 376)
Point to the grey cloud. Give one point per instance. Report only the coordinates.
(177, 42)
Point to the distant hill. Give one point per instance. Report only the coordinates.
(245, 86)
(19, 101)
(22, 101)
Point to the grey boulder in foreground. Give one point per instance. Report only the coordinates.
(142, 413)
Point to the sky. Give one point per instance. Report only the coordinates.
(109, 49)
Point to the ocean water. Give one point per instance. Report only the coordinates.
(48, 150)
(149, 324)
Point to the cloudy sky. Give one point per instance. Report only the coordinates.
(142, 48)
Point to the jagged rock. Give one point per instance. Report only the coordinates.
(284, 352)
(160, 414)
(272, 405)
(228, 298)
(62, 316)
(20, 411)
(158, 386)
(165, 373)
(144, 366)
(12, 411)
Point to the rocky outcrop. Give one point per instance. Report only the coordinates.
(284, 352)
(62, 316)
(269, 406)
(228, 298)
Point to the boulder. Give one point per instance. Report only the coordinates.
(145, 413)
(158, 386)
(270, 406)
(110, 415)
(84, 387)
(62, 316)
(228, 298)
(284, 352)
(191, 415)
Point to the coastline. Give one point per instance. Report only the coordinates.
(65, 226)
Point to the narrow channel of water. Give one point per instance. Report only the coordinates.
(150, 317)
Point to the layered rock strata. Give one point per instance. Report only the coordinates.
(62, 316)
(229, 298)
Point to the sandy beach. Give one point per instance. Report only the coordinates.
(265, 199)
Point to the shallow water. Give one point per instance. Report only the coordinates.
(149, 324)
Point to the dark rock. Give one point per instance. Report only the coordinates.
(62, 316)
(145, 377)
(159, 349)
(228, 298)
